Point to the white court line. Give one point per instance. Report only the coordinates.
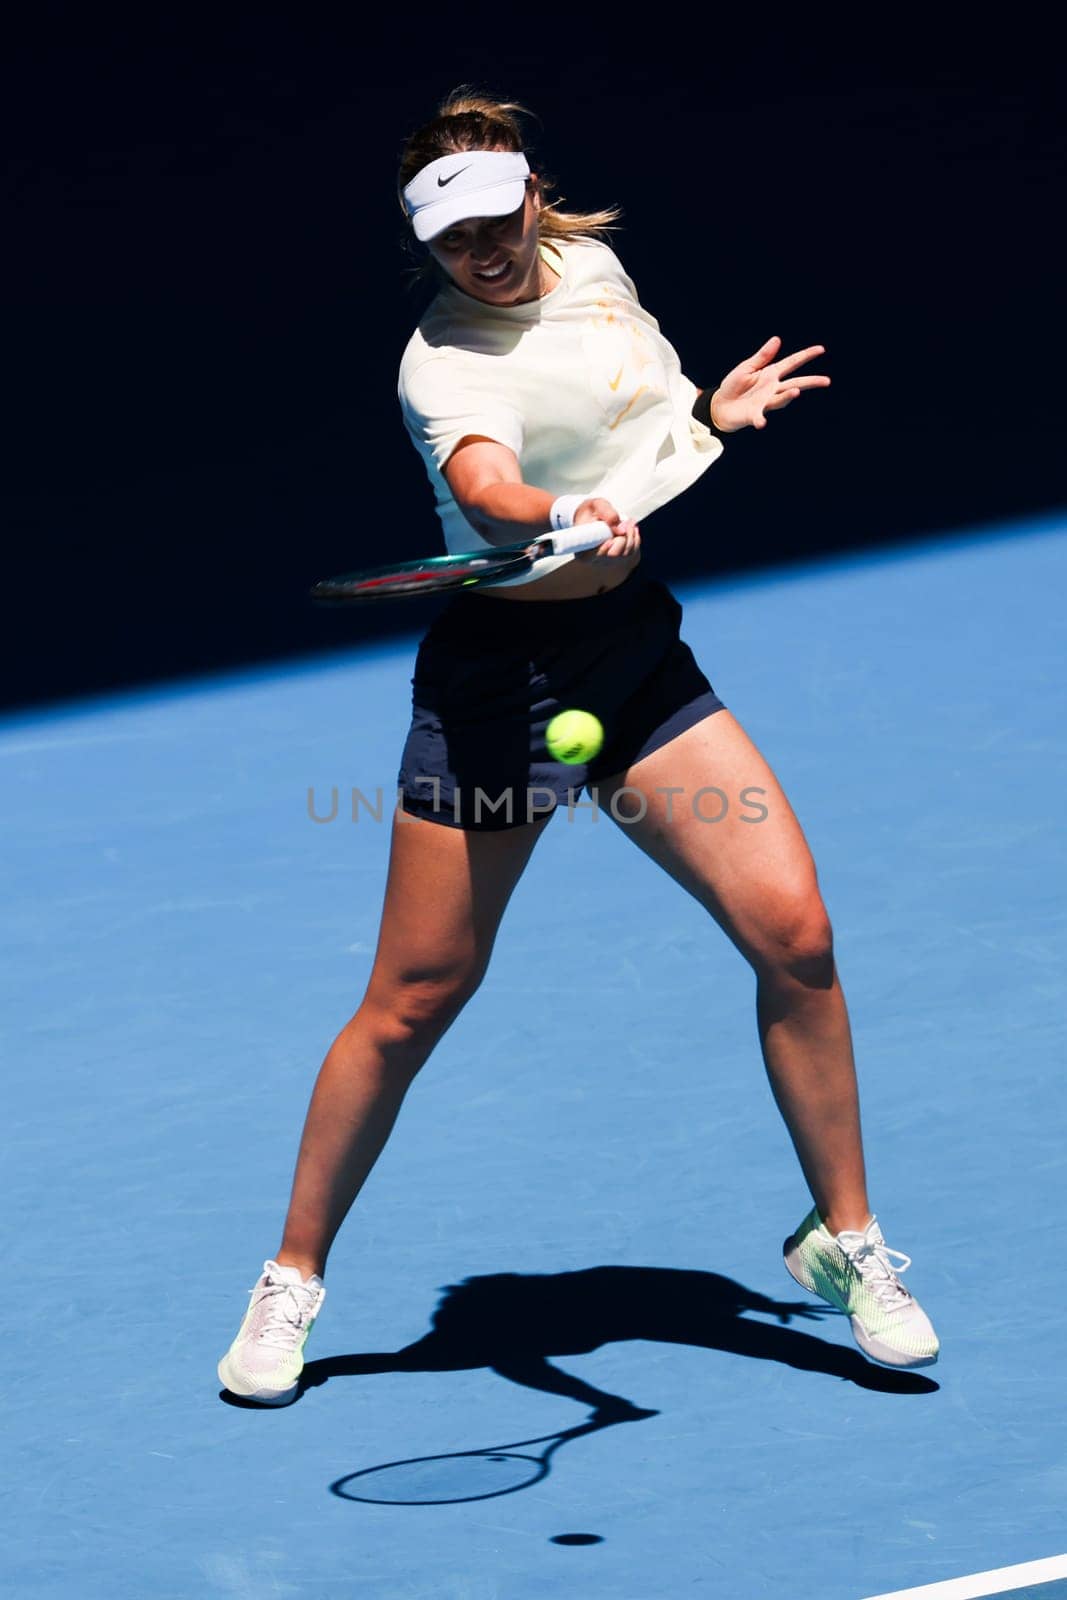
(1000, 1581)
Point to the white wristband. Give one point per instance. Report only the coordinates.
(563, 508)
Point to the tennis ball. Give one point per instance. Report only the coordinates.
(574, 737)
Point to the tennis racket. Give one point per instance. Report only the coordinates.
(435, 574)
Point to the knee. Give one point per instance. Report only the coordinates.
(418, 1005)
(796, 942)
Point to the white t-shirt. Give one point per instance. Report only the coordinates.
(580, 384)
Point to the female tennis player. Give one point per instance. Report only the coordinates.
(540, 394)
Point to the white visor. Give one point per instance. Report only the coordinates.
(470, 183)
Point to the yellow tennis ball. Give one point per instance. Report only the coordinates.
(574, 737)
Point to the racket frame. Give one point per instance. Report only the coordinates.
(465, 569)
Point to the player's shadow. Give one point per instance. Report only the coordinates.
(513, 1323)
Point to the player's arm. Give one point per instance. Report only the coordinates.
(486, 480)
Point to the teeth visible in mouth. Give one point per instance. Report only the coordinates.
(495, 272)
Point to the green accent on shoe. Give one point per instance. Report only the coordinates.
(855, 1273)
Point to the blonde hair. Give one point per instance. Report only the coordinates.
(468, 120)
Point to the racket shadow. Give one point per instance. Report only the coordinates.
(465, 1475)
(518, 1325)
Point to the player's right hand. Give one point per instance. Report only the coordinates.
(626, 535)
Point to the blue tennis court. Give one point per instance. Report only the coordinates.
(560, 1354)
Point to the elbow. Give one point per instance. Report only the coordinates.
(482, 524)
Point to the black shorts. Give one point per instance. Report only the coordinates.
(491, 674)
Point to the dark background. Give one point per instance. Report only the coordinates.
(205, 301)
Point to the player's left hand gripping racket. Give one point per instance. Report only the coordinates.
(438, 573)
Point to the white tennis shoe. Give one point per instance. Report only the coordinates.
(266, 1359)
(854, 1272)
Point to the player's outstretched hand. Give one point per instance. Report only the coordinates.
(762, 384)
(625, 537)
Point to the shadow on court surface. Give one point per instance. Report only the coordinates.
(513, 1323)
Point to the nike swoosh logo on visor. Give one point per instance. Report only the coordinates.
(442, 181)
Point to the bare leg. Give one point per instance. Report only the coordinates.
(758, 880)
(446, 892)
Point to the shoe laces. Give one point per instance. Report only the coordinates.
(870, 1255)
(285, 1309)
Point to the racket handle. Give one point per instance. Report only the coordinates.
(583, 536)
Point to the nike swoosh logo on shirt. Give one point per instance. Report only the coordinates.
(442, 181)
(613, 383)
